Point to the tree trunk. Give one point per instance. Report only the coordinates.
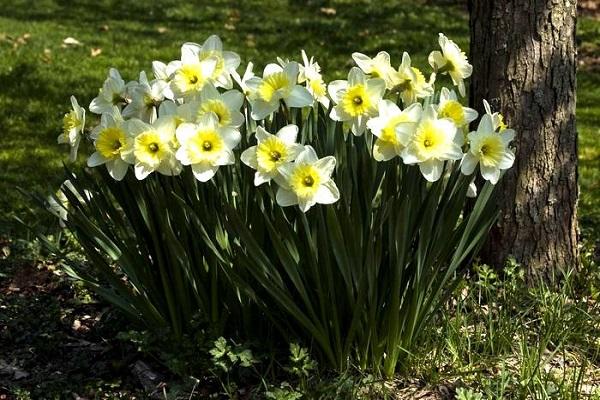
(524, 63)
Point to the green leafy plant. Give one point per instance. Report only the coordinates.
(378, 239)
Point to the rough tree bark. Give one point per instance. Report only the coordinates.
(524, 62)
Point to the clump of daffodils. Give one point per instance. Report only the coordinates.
(195, 112)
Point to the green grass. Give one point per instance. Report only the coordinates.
(38, 74)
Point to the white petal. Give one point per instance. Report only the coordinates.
(432, 169)
(231, 137)
(117, 169)
(286, 197)
(299, 97)
(486, 124)
(359, 124)
(288, 133)
(326, 165)
(356, 77)
(507, 136)
(507, 160)
(327, 193)
(376, 88)
(261, 134)
(470, 114)
(468, 164)
(248, 157)
(271, 69)
(364, 62)
(261, 109)
(142, 171)
(308, 155)
(383, 151)
(226, 158)
(338, 114)
(234, 99)
(189, 52)
(334, 89)
(185, 132)
(490, 173)
(96, 159)
(260, 178)
(204, 172)
(305, 204)
(212, 43)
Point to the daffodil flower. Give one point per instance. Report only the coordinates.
(277, 84)
(58, 204)
(449, 107)
(377, 67)
(434, 142)
(410, 82)
(145, 99)
(356, 99)
(226, 106)
(310, 73)
(73, 124)
(152, 147)
(489, 149)
(242, 81)
(452, 61)
(206, 146)
(112, 96)
(394, 128)
(111, 141)
(271, 152)
(193, 71)
(164, 72)
(307, 181)
(497, 118)
(227, 61)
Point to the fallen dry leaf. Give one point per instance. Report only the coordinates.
(328, 11)
(70, 41)
(95, 51)
(104, 28)
(161, 29)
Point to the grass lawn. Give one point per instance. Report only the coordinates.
(38, 73)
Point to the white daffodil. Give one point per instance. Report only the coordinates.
(307, 181)
(112, 95)
(394, 128)
(212, 48)
(310, 73)
(377, 67)
(145, 99)
(451, 60)
(410, 82)
(489, 149)
(73, 124)
(356, 99)
(58, 204)
(277, 84)
(243, 80)
(152, 147)
(206, 146)
(226, 106)
(111, 141)
(497, 118)
(164, 72)
(449, 107)
(193, 71)
(271, 152)
(434, 142)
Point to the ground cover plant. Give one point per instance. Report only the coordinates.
(199, 232)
